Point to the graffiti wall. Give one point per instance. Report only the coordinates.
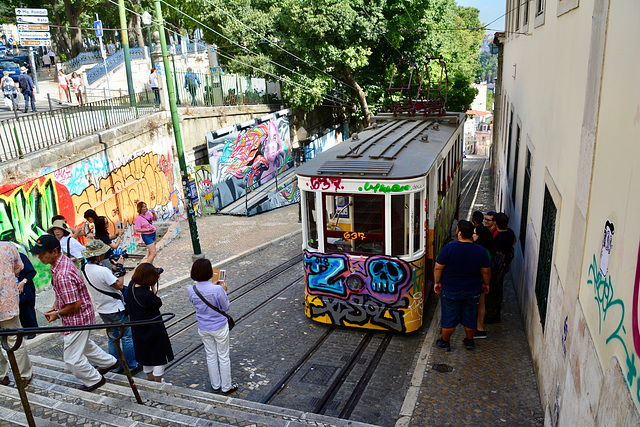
(111, 187)
(205, 189)
(320, 145)
(383, 292)
(286, 194)
(247, 158)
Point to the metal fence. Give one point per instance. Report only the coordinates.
(214, 88)
(112, 62)
(80, 60)
(27, 134)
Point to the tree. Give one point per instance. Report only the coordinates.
(488, 67)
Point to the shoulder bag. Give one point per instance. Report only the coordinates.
(113, 295)
(229, 318)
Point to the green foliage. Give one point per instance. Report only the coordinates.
(489, 100)
(461, 94)
(488, 67)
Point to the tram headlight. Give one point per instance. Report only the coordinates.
(355, 283)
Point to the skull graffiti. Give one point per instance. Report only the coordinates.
(386, 275)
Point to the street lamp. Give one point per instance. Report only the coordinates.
(147, 19)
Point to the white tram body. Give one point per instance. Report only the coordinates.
(376, 210)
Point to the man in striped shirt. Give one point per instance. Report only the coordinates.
(73, 306)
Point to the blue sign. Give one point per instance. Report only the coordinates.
(98, 26)
(10, 40)
(160, 69)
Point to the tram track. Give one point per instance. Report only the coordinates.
(472, 182)
(234, 295)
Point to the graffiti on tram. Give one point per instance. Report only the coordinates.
(387, 297)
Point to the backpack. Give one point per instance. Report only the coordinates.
(191, 81)
(24, 86)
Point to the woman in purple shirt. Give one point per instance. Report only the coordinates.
(144, 226)
(212, 326)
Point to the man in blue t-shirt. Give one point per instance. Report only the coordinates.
(462, 272)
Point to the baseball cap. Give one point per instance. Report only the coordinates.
(45, 243)
(23, 69)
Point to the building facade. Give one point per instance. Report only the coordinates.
(566, 172)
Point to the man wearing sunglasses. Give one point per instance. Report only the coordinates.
(490, 222)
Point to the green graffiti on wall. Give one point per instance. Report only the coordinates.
(381, 188)
(614, 308)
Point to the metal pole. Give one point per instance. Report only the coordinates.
(16, 375)
(175, 76)
(34, 72)
(125, 47)
(123, 362)
(193, 227)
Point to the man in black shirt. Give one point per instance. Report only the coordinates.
(503, 242)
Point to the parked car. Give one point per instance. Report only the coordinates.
(3, 51)
(23, 60)
(11, 65)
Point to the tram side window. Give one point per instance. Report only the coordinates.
(312, 219)
(354, 223)
(399, 224)
(418, 206)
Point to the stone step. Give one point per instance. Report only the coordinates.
(163, 404)
(12, 418)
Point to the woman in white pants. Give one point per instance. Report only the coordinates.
(212, 326)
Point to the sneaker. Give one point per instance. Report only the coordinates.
(217, 390)
(480, 335)
(445, 345)
(5, 380)
(468, 343)
(233, 389)
(162, 381)
(135, 370)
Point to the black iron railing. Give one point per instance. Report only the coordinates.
(21, 332)
(27, 134)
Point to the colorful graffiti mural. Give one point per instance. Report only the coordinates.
(285, 194)
(205, 189)
(248, 158)
(112, 189)
(388, 292)
(320, 145)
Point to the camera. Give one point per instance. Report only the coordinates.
(119, 270)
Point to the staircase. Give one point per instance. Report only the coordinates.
(55, 400)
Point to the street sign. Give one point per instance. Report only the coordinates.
(32, 27)
(31, 12)
(35, 42)
(32, 19)
(98, 26)
(10, 40)
(34, 35)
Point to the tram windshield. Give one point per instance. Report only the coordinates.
(354, 223)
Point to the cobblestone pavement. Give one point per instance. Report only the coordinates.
(492, 385)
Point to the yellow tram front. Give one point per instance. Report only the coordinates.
(364, 251)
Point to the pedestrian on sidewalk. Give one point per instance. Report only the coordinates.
(191, 83)
(503, 241)
(151, 342)
(482, 236)
(46, 61)
(490, 222)
(76, 83)
(28, 317)
(213, 326)
(153, 82)
(10, 288)
(63, 86)
(105, 289)
(74, 307)
(10, 91)
(52, 56)
(27, 87)
(144, 226)
(462, 272)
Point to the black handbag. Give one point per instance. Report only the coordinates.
(229, 318)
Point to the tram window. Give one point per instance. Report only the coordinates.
(312, 218)
(354, 223)
(400, 224)
(418, 206)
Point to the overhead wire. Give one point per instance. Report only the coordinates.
(279, 78)
(278, 46)
(238, 45)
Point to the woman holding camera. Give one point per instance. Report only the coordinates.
(213, 326)
(102, 233)
(144, 226)
(151, 342)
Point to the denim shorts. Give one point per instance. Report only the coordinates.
(148, 238)
(459, 307)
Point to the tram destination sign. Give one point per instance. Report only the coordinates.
(32, 19)
(31, 12)
(33, 27)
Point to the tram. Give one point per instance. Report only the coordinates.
(376, 210)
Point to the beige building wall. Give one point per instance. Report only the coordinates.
(569, 96)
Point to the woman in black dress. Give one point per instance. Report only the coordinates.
(150, 342)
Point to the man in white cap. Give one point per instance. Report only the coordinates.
(27, 88)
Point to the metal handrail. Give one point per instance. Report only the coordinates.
(27, 134)
(20, 332)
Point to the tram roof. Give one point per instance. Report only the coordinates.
(391, 148)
